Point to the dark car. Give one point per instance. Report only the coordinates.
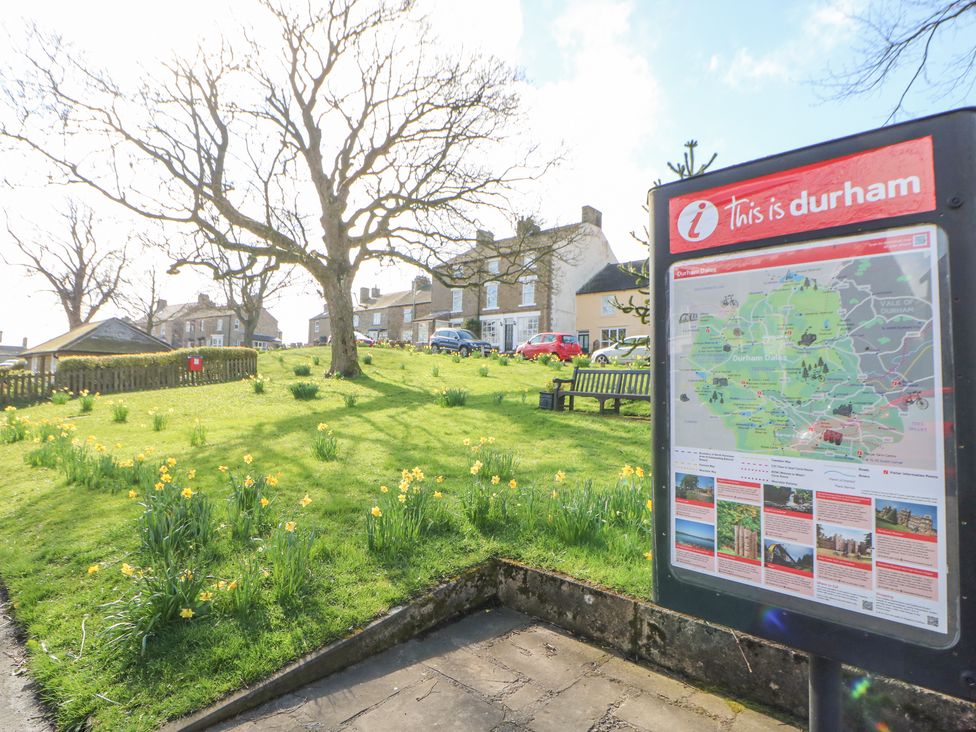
(462, 341)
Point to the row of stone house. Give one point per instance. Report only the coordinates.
(566, 281)
(205, 323)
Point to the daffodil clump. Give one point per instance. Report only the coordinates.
(14, 427)
(250, 511)
(259, 383)
(325, 446)
(402, 516)
(177, 519)
(120, 411)
(86, 401)
(452, 397)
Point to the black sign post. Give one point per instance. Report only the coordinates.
(815, 327)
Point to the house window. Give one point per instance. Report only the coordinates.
(527, 327)
(406, 336)
(457, 270)
(491, 296)
(189, 327)
(237, 324)
(612, 335)
(377, 316)
(490, 332)
(317, 326)
(355, 320)
(457, 299)
(162, 331)
(606, 306)
(220, 325)
(408, 314)
(492, 266)
(201, 326)
(528, 292)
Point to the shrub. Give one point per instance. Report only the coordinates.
(60, 397)
(86, 401)
(120, 412)
(198, 434)
(211, 355)
(290, 552)
(249, 505)
(483, 371)
(350, 400)
(435, 372)
(158, 420)
(303, 390)
(498, 397)
(158, 599)
(576, 516)
(368, 359)
(302, 369)
(453, 397)
(316, 360)
(400, 519)
(324, 444)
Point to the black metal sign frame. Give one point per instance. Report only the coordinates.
(951, 668)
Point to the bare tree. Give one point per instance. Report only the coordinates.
(347, 141)
(641, 304)
(81, 274)
(902, 43)
(249, 283)
(141, 300)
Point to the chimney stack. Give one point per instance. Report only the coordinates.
(376, 292)
(204, 299)
(421, 282)
(25, 342)
(484, 237)
(363, 295)
(160, 304)
(592, 216)
(526, 227)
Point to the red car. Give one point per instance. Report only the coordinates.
(562, 345)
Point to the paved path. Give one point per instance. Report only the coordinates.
(19, 709)
(500, 671)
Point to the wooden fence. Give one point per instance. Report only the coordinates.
(26, 388)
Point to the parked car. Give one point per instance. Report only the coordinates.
(13, 363)
(562, 345)
(462, 341)
(629, 350)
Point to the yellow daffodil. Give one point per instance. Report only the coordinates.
(166, 477)
(404, 486)
(402, 498)
(639, 471)
(290, 526)
(467, 441)
(495, 480)
(186, 613)
(159, 486)
(271, 480)
(248, 459)
(439, 479)
(232, 585)
(222, 468)
(648, 555)
(650, 505)
(187, 492)
(376, 512)
(99, 448)
(206, 596)
(264, 502)
(323, 427)
(305, 501)
(128, 570)
(476, 468)
(93, 568)
(221, 585)
(416, 489)
(118, 445)
(560, 476)
(248, 481)
(163, 470)
(171, 461)
(132, 494)
(626, 471)
(491, 440)
(554, 495)
(438, 495)
(140, 457)
(384, 489)
(191, 473)
(186, 575)
(513, 484)
(50, 438)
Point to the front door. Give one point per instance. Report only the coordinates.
(583, 336)
(509, 337)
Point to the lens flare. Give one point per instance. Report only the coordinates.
(772, 619)
(882, 727)
(860, 687)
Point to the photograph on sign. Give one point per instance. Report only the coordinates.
(807, 451)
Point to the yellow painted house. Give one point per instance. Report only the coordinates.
(599, 322)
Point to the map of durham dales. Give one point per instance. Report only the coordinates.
(826, 351)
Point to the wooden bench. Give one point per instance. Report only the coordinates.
(604, 385)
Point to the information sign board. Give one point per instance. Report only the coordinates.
(809, 482)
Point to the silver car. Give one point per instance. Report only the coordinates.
(634, 348)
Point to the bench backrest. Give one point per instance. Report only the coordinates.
(612, 381)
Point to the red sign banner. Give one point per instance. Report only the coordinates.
(875, 184)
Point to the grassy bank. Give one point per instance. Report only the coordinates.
(52, 532)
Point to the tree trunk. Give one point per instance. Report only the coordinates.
(249, 327)
(338, 297)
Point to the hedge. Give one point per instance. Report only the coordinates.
(210, 355)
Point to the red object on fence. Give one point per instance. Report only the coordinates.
(194, 363)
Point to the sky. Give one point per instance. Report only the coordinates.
(618, 85)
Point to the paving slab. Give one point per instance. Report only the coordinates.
(19, 708)
(500, 672)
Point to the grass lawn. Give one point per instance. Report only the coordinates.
(52, 532)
